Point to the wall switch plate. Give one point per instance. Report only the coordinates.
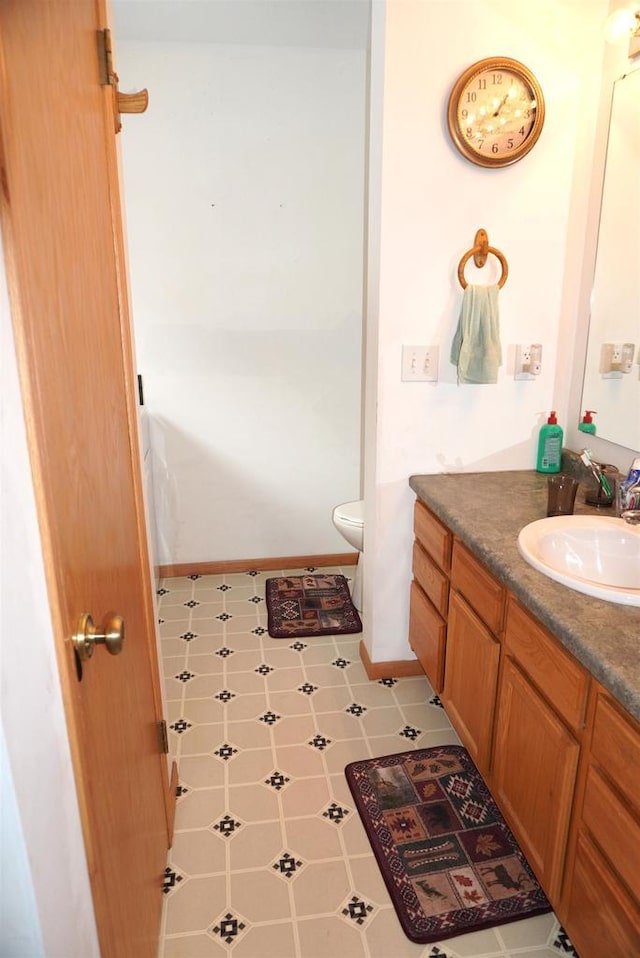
(420, 364)
(528, 362)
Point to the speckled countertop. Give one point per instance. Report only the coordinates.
(486, 511)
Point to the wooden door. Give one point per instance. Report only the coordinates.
(60, 218)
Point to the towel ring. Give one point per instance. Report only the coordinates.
(480, 251)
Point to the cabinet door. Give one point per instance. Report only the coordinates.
(601, 918)
(534, 772)
(471, 675)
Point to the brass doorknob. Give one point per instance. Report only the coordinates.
(87, 636)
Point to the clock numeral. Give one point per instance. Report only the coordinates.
(521, 131)
(494, 148)
(482, 83)
(471, 97)
(470, 132)
(510, 143)
(497, 79)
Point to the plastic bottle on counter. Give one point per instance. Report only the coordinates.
(549, 457)
(629, 488)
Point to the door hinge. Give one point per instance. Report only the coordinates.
(163, 737)
(108, 76)
(122, 102)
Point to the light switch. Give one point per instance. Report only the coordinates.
(420, 364)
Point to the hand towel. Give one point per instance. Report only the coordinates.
(476, 349)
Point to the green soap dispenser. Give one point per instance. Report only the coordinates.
(587, 424)
(550, 446)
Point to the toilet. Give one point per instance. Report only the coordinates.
(348, 518)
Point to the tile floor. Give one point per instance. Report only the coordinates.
(270, 859)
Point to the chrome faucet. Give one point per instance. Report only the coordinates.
(632, 516)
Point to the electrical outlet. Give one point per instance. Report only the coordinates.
(528, 362)
(420, 364)
(626, 363)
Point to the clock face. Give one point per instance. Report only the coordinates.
(496, 111)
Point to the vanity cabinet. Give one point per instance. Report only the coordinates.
(601, 900)
(430, 593)
(560, 756)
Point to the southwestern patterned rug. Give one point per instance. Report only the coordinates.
(448, 859)
(308, 605)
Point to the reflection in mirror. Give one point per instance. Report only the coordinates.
(612, 371)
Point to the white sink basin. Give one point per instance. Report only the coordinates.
(597, 555)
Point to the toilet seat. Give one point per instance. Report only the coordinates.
(350, 513)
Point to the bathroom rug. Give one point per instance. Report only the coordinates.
(448, 858)
(308, 605)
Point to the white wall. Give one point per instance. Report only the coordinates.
(432, 202)
(244, 190)
(45, 884)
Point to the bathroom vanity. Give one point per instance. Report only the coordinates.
(542, 684)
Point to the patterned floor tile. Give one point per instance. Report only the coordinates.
(198, 852)
(194, 946)
(270, 857)
(267, 941)
(255, 846)
(193, 906)
(315, 839)
(261, 895)
(200, 808)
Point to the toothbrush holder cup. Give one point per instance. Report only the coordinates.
(561, 494)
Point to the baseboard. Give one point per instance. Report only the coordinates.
(389, 670)
(250, 565)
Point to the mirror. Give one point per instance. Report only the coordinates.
(612, 382)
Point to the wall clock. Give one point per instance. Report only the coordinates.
(495, 112)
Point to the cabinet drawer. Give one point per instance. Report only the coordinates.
(427, 635)
(616, 745)
(559, 677)
(432, 580)
(483, 593)
(613, 828)
(433, 536)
